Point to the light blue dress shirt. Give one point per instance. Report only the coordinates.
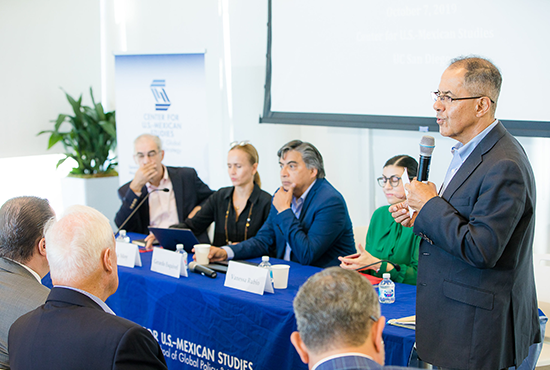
(296, 205)
(461, 153)
(101, 304)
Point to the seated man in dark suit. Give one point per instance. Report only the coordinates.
(308, 222)
(23, 262)
(161, 209)
(75, 329)
(339, 322)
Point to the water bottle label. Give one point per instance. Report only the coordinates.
(184, 257)
(387, 293)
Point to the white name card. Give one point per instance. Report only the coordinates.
(168, 262)
(127, 255)
(405, 180)
(249, 278)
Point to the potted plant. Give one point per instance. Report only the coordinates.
(88, 137)
(90, 141)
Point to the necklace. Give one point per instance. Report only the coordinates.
(247, 221)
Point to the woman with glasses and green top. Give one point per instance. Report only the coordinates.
(387, 239)
(239, 211)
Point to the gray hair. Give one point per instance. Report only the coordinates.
(74, 244)
(334, 309)
(311, 156)
(482, 77)
(22, 222)
(152, 137)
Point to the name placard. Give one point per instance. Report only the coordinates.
(127, 255)
(168, 262)
(249, 278)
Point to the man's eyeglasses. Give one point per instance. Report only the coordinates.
(238, 143)
(150, 155)
(446, 99)
(394, 180)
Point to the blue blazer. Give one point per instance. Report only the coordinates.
(321, 234)
(476, 305)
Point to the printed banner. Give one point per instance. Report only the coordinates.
(162, 95)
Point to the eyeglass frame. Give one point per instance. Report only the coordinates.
(235, 143)
(375, 320)
(436, 95)
(383, 180)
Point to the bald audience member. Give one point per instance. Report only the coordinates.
(23, 262)
(339, 322)
(75, 329)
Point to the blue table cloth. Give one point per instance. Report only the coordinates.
(199, 323)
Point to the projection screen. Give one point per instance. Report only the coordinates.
(373, 64)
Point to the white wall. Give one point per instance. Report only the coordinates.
(45, 46)
(234, 36)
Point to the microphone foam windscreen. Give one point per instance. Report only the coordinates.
(427, 145)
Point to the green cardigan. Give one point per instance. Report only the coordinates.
(388, 240)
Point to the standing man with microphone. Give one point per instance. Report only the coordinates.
(186, 191)
(476, 302)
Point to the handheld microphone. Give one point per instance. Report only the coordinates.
(396, 267)
(139, 205)
(203, 270)
(427, 145)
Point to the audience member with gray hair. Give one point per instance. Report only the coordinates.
(308, 222)
(23, 262)
(75, 329)
(339, 322)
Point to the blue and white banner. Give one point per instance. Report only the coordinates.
(163, 95)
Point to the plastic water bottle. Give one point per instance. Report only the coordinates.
(266, 265)
(386, 290)
(122, 237)
(179, 249)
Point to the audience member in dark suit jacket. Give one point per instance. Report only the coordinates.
(75, 329)
(161, 209)
(476, 302)
(339, 322)
(23, 262)
(308, 222)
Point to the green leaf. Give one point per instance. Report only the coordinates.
(92, 95)
(75, 104)
(54, 139)
(59, 121)
(91, 138)
(108, 127)
(60, 162)
(90, 114)
(43, 132)
(100, 113)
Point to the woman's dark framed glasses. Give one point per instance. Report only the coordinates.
(394, 180)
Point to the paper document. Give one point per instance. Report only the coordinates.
(405, 180)
(404, 322)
